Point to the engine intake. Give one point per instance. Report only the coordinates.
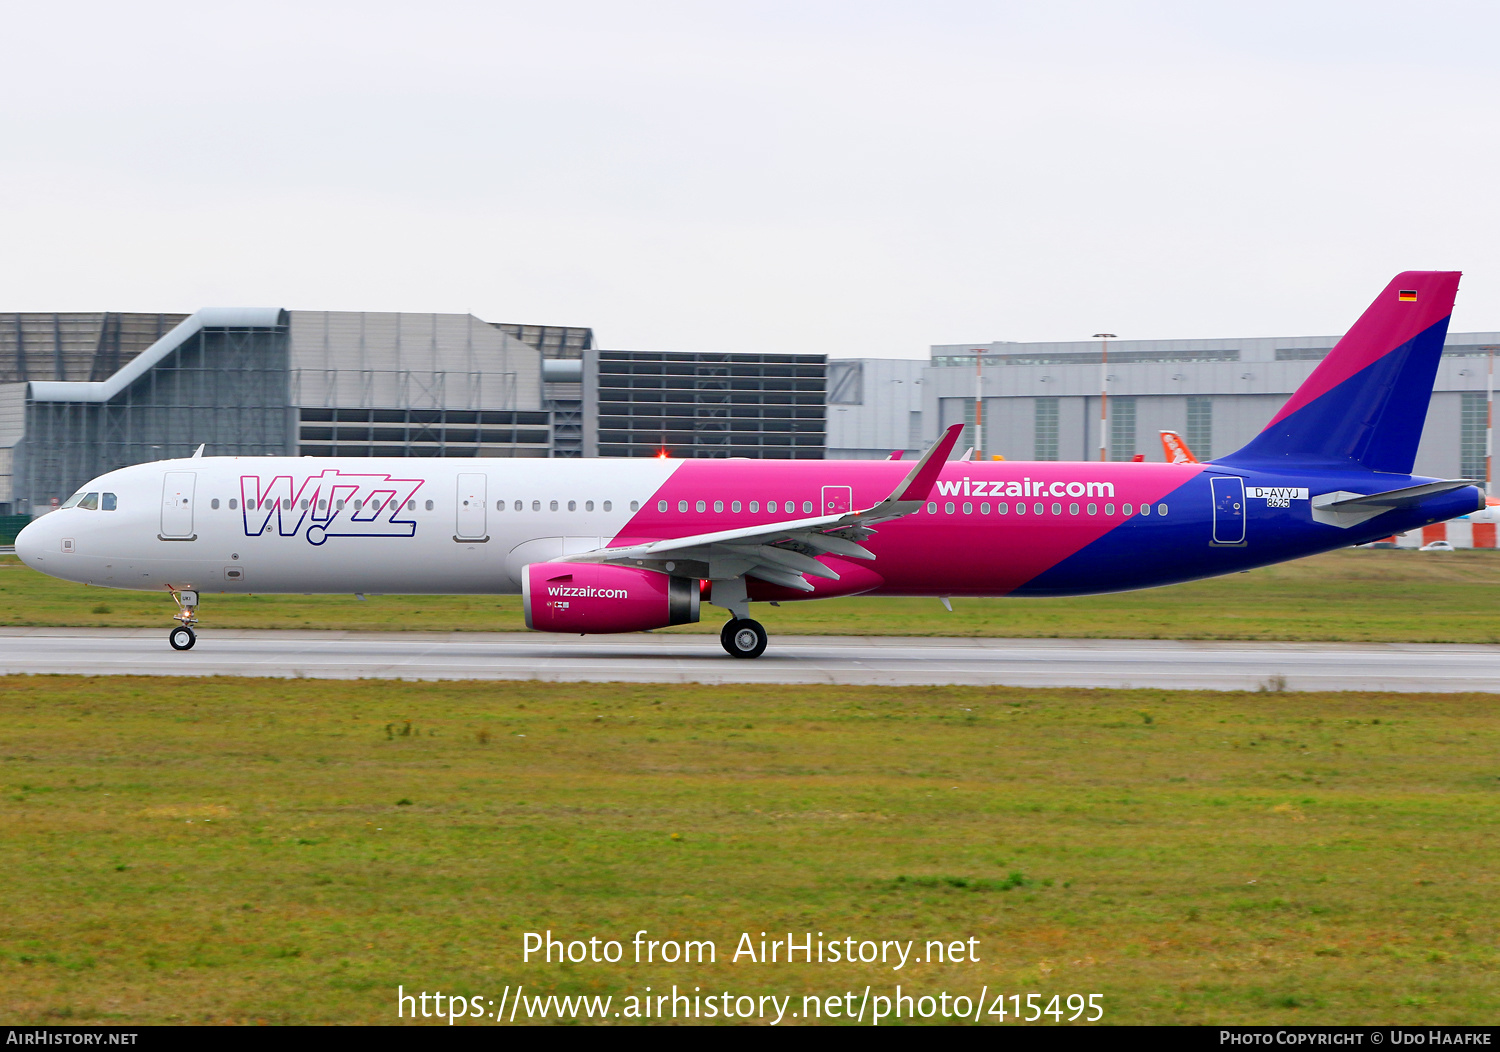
(592, 597)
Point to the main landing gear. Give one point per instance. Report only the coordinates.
(743, 638)
(183, 637)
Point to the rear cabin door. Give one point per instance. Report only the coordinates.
(837, 500)
(177, 505)
(1229, 509)
(470, 507)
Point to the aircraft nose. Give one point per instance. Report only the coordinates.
(29, 543)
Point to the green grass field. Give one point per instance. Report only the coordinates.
(291, 851)
(1352, 595)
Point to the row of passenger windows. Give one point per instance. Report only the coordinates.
(787, 507)
(108, 502)
(552, 505)
(411, 505)
(92, 501)
(304, 504)
(1041, 509)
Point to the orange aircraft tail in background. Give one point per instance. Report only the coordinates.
(1176, 449)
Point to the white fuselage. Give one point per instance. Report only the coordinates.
(299, 524)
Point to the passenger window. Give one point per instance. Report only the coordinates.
(553, 505)
(536, 505)
(1161, 509)
(90, 502)
(1003, 509)
(1093, 509)
(338, 505)
(1057, 509)
(428, 505)
(572, 505)
(948, 508)
(984, 509)
(682, 506)
(931, 508)
(514, 507)
(499, 505)
(718, 506)
(303, 504)
(754, 506)
(1109, 509)
(588, 505)
(411, 505)
(702, 507)
(807, 507)
(1145, 509)
(735, 507)
(109, 502)
(234, 504)
(1125, 509)
(1020, 508)
(109, 499)
(358, 504)
(286, 503)
(1072, 509)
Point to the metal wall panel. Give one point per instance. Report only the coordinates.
(410, 361)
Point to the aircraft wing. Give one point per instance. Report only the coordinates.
(783, 552)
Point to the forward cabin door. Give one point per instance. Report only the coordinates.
(177, 505)
(837, 500)
(1229, 509)
(471, 500)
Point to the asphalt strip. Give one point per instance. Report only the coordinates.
(654, 658)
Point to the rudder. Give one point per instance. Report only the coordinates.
(1365, 403)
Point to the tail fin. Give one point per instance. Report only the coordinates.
(1175, 449)
(1365, 404)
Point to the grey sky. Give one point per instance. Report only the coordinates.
(850, 178)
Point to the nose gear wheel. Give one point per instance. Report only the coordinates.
(183, 637)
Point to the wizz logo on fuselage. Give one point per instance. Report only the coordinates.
(332, 504)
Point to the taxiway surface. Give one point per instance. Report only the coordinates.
(790, 659)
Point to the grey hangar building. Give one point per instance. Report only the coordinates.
(84, 393)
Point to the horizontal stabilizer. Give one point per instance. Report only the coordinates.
(1342, 508)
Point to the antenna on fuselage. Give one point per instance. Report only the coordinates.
(198, 453)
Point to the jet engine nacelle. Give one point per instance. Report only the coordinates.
(591, 597)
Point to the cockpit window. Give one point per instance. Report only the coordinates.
(90, 502)
(109, 503)
(72, 501)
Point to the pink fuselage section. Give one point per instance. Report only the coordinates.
(978, 551)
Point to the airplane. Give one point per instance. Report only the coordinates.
(625, 545)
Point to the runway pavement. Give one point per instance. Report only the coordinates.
(791, 659)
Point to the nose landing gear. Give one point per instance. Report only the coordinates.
(183, 637)
(743, 638)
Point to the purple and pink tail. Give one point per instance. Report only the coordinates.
(1363, 407)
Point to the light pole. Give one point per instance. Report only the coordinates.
(1489, 426)
(1104, 338)
(978, 403)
